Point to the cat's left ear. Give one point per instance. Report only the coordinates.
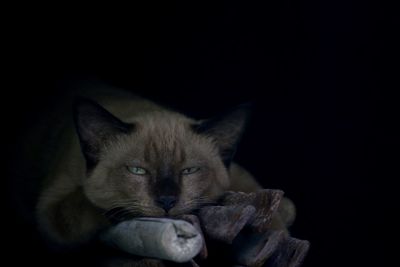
(96, 127)
(226, 130)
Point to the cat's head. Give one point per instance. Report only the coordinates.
(159, 164)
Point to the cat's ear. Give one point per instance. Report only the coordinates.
(226, 130)
(95, 127)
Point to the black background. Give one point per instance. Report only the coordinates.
(315, 71)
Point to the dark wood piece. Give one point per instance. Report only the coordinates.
(223, 223)
(265, 201)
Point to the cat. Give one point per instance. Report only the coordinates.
(124, 156)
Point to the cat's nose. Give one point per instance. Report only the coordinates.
(167, 202)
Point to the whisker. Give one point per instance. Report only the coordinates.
(111, 214)
(121, 214)
(194, 204)
(130, 204)
(127, 208)
(123, 203)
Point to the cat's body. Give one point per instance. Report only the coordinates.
(147, 160)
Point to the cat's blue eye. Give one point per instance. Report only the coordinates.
(137, 170)
(190, 170)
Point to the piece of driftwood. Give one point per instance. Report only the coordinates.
(266, 202)
(167, 239)
(223, 223)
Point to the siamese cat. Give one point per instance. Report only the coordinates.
(124, 156)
